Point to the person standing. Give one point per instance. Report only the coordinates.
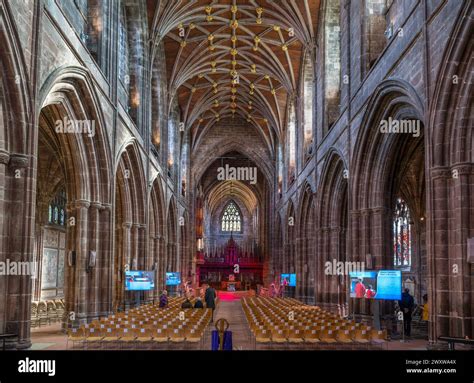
(359, 289)
(426, 313)
(210, 298)
(406, 305)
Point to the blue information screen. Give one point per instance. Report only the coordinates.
(139, 280)
(288, 279)
(173, 279)
(389, 285)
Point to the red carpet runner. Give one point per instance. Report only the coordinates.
(230, 296)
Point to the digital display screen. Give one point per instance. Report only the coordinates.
(173, 279)
(288, 280)
(363, 284)
(139, 280)
(389, 285)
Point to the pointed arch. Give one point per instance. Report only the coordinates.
(307, 244)
(451, 184)
(332, 228)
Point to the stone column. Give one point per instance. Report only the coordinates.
(38, 258)
(81, 246)
(319, 267)
(17, 227)
(299, 267)
(94, 273)
(125, 259)
(106, 262)
(334, 254)
(135, 246)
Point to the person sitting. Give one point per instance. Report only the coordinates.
(198, 304)
(187, 304)
(163, 299)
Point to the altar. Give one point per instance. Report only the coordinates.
(218, 268)
(231, 285)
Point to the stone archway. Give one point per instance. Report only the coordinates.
(450, 185)
(332, 230)
(17, 179)
(380, 173)
(130, 235)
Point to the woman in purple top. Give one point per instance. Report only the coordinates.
(164, 299)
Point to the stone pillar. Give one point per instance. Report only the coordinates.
(438, 266)
(81, 246)
(123, 260)
(135, 247)
(319, 267)
(156, 261)
(105, 262)
(334, 254)
(17, 230)
(38, 258)
(355, 251)
(93, 274)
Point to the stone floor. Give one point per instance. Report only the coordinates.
(234, 314)
(51, 337)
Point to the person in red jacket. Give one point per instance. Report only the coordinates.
(359, 289)
(369, 293)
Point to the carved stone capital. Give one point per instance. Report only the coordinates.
(18, 161)
(4, 157)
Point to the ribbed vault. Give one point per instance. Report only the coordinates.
(234, 59)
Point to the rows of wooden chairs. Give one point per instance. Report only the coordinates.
(284, 322)
(146, 327)
(46, 312)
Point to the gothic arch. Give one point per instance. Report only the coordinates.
(452, 140)
(83, 163)
(306, 247)
(386, 166)
(130, 238)
(392, 98)
(221, 148)
(69, 92)
(451, 180)
(332, 227)
(157, 230)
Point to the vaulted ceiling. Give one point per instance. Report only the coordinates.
(235, 59)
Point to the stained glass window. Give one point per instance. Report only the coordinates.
(57, 209)
(401, 234)
(231, 220)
